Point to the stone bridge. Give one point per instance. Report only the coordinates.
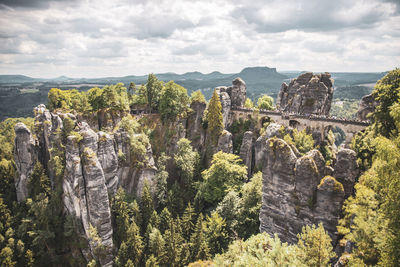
(316, 123)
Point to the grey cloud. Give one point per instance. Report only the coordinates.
(30, 3)
(162, 26)
(309, 16)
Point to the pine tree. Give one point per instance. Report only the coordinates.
(120, 210)
(165, 219)
(214, 118)
(314, 246)
(199, 249)
(157, 246)
(216, 233)
(187, 222)
(136, 214)
(131, 248)
(39, 181)
(173, 241)
(146, 206)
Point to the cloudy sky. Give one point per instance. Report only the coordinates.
(88, 38)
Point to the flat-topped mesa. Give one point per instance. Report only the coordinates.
(307, 94)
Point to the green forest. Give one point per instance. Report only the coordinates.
(204, 210)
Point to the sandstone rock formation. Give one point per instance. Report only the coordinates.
(238, 93)
(25, 156)
(226, 104)
(295, 192)
(307, 94)
(346, 170)
(93, 170)
(225, 142)
(367, 105)
(194, 127)
(246, 151)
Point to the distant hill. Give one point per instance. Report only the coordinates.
(19, 93)
(15, 79)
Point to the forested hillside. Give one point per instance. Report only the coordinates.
(147, 175)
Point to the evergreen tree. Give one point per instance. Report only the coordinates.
(187, 222)
(165, 219)
(157, 246)
(146, 206)
(173, 240)
(131, 248)
(214, 118)
(39, 182)
(120, 210)
(136, 213)
(314, 246)
(162, 177)
(199, 249)
(186, 161)
(216, 233)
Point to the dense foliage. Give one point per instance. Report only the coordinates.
(371, 217)
(197, 212)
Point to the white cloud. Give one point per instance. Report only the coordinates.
(115, 38)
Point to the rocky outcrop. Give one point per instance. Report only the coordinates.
(133, 178)
(330, 196)
(346, 170)
(238, 95)
(295, 192)
(226, 104)
(96, 164)
(367, 105)
(96, 193)
(307, 94)
(108, 160)
(273, 129)
(25, 156)
(246, 151)
(225, 142)
(194, 128)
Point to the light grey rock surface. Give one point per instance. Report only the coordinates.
(246, 151)
(367, 105)
(25, 157)
(238, 95)
(346, 170)
(225, 142)
(307, 94)
(194, 128)
(294, 192)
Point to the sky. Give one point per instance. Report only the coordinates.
(87, 38)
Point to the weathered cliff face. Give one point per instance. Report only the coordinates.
(226, 105)
(92, 173)
(307, 94)
(238, 95)
(346, 170)
(25, 156)
(96, 193)
(246, 151)
(295, 192)
(225, 142)
(132, 178)
(367, 105)
(194, 128)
